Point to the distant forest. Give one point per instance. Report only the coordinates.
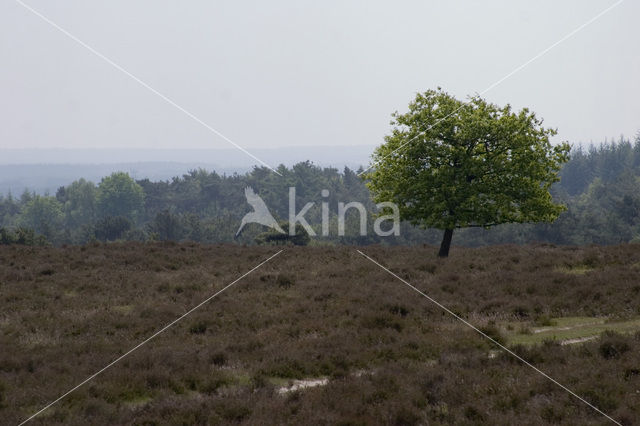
(599, 185)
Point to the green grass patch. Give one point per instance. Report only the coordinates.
(242, 378)
(575, 269)
(568, 328)
(139, 401)
(123, 309)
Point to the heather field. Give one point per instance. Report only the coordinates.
(319, 335)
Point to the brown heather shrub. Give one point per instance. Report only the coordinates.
(613, 345)
(389, 354)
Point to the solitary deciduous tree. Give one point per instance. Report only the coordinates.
(450, 164)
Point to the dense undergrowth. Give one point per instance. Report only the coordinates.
(391, 356)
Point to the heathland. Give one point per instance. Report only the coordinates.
(319, 335)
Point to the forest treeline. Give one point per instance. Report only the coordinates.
(599, 186)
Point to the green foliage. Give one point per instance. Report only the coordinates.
(112, 228)
(598, 185)
(119, 195)
(450, 164)
(79, 203)
(21, 236)
(167, 226)
(43, 214)
(6, 237)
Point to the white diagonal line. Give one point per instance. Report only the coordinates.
(142, 83)
(538, 56)
(147, 339)
(501, 346)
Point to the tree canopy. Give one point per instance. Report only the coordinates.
(599, 185)
(450, 164)
(42, 214)
(120, 195)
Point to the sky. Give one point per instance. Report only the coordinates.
(304, 73)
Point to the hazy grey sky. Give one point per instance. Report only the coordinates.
(304, 73)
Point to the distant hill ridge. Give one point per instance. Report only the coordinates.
(45, 170)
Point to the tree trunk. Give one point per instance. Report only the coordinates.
(446, 243)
